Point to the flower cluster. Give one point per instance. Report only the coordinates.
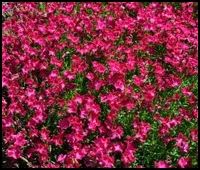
(99, 84)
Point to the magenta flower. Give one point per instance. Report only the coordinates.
(161, 164)
(184, 162)
(99, 85)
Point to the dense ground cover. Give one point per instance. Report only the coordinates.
(100, 84)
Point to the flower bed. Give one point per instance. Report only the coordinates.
(100, 84)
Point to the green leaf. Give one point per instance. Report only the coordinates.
(176, 5)
(42, 6)
(89, 11)
(81, 82)
(125, 119)
(146, 3)
(52, 120)
(104, 111)
(77, 8)
(121, 39)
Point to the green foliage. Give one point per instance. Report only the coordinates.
(146, 3)
(106, 89)
(142, 54)
(120, 40)
(195, 10)
(52, 119)
(130, 74)
(191, 81)
(151, 79)
(42, 6)
(104, 4)
(176, 5)
(89, 11)
(77, 8)
(184, 127)
(135, 38)
(132, 13)
(125, 119)
(145, 115)
(193, 153)
(105, 13)
(88, 37)
(136, 89)
(68, 56)
(169, 68)
(81, 83)
(63, 38)
(150, 151)
(174, 154)
(104, 111)
(23, 120)
(159, 51)
(69, 94)
(91, 137)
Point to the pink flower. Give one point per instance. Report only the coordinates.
(130, 63)
(130, 105)
(118, 147)
(98, 84)
(119, 85)
(57, 139)
(128, 154)
(194, 135)
(99, 67)
(174, 81)
(90, 76)
(101, 25)
(30, 92)
(184, 162)
(149, 95)
(118, 81)
(69, 75)
(72, 106)
(19, 139)
(186, 91)
(73, 38)
(78, 65)
(141, 128)
(56, 62)
(139, 166)
(50, 112)
(161, 164)
(103, 142)
(107, 161)
(93, 124)
(53, 74)
(138, 80)
(51, 165)
(117, 132)
(182, 143)
(7, 121)
(61, 158)
(159, 70)
(13, 152)
(44, 134)
(115, 67)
